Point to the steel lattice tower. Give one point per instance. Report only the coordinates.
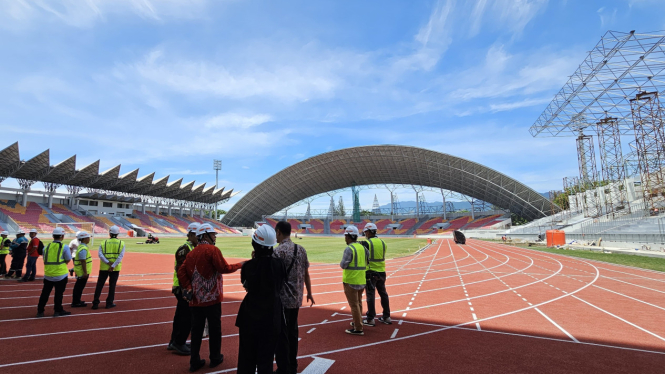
(588, 175)
(612, 165)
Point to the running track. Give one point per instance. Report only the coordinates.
(480, 307)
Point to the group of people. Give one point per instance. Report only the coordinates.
(19, 249)
(274, 279)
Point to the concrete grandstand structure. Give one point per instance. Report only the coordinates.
(386, 164)
(139, 204)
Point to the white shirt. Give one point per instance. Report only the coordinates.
(73, 245)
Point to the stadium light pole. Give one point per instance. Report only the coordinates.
(217, 166)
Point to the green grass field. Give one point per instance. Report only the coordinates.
(319, 249)
(651, 263)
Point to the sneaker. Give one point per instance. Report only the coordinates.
(181, 350)
(31, 280)
(170, 346)
(61, 313)
(82, 304)
(386, 320)
(109, 306)
(370, 322)
(40, 314)
(22, 280)
(71, 272)
(95, 306)
(354, 332)
(217, 362)
(196, 366)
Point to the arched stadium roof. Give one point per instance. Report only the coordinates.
(385, 164)
(39, 169)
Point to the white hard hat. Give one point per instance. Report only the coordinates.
(351, 230)
(82, 235)
(205, 229)
(115, 230)
(20, 231)
(58, 231)
(33, 230)
(193, 227)
(265, 235)
(4, 233)
(369, 226)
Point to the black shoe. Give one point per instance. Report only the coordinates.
(109, 306)
(61, 313)
(40, 314)
(71, 272)
(354, 332)
(170, 346)
(22, 280)
(196, 366)
(386, 320)
(217, 362)
(370, 322)
(82, 304)
(31, 280)
(181, 350)
(189, 345)
(95, 306)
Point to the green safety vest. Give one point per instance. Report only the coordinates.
(377, 255)
(3, 250)
(54, 263)
(78, 264)
(355, 272)
(111, 249)
(176, 282)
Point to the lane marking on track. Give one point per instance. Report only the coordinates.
(310, 330)
(394, 334)
(632, 298)
(557, 326)
(473, 314)
(318, 366)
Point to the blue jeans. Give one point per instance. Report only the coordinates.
(30, 268)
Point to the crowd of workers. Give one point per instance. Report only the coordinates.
(274, 279)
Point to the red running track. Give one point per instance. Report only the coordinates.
(480, 307)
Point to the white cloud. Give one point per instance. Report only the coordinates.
(235, 120)
(513, 15)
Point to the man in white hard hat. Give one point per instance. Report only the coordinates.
(18, 249)
(261, 316)
(33, 255)
(4, 251)
(182, 320)
(376, 276)
(110, 253)
(82, 267)
(56, 258)
(354, 263)
(200, 278)
(73, 245)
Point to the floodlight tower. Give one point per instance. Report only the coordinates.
(217, 166)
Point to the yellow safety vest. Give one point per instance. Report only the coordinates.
(377, 255)
(355, 272)
(54, 262)
(78, 264)
(3, 250)
(176, 282)
(111, 249)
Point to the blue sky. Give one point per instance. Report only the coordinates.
(169, 85)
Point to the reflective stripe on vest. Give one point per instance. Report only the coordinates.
(78, 264)
(355, 272)
(54, 264)
(3, 250)
(176, 282)
(111, 249)
(377, 255)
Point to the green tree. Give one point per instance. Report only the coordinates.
(517, 220)
(562, 201)
(340, 211)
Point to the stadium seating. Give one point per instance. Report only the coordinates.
(406, 225)
(31, 217)
(271, 222)
(336, 226)
(180, 224)
(360, 225)
(456, 224)
(295, 224)
(100, 227)
(428, 226)
(482, 222)
(317, 226)
(381, 226)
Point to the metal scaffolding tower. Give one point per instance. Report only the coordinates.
(376, 208)
(650, 140)
(588, 175)
(356, 202)
(612, 166)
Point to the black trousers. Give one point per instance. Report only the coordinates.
(376, 282)
(3, 264)
(112, 276)
(201, 314)
(256, 351)
(78, 289)
(16, 266)
(46, 292)
(286, 352)
(182, 321)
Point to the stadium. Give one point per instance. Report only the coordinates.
(565, 281)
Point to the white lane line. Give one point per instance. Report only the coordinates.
(474, 316)
(334, 314)
(403, 315)
(472, 309)
(632, 298)
(400, 321)
(318, 366)
(86, 330)
(310, 330)
(557, 325)
(394, 334)
(343, 308)
(324, 321)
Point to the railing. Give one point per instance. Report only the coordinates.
(620, 238)
(602, 224)
(11, 224)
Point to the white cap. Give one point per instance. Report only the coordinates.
(4, 233)
(20, 231)
(82, 235)
(265, 235)
(33, 230)
(115, 230)
(351, 230)
(205, 229)
(58, 231)
(369, 226)
(193, 227)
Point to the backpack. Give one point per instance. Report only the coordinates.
(40, 248)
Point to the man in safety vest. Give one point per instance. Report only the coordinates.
(56, 257)
(182, 320)
(376, 276)
(4, 251)
(82, 267)
(111, 252)
(354, 263)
